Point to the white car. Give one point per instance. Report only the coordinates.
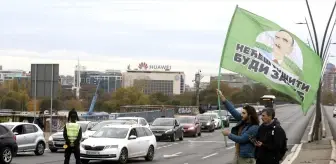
(216, 117)
(56, 141)
(141, 121)
(334, 112)
(29, 137)
(90, 131)
(119, 143)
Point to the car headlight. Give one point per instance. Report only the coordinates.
(50, 138)
(224, 118)
(111, 146)
(168, 131)
(208, 123)
(191, 128)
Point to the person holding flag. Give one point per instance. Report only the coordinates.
(241, 134)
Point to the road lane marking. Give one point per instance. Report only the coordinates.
(211, 141)
(231, 147)
(172, 155)
(209, 155)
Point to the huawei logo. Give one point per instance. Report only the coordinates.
(143, 65)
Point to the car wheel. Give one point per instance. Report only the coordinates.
(200, 133)
(181, 137)
(40, 147)
(173, 138)
(123, 156)
(150, 153)
(53, 150)
(6, 155)
(85, 161)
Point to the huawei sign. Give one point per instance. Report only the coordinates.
(143, 65)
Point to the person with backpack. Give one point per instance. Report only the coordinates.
(271, 140)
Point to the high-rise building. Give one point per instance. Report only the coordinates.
(66, 80)
(329, 78)
(13, 74)
(110, 80)
(233, 80)
(155, 78)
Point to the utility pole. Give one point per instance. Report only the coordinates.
(197, 81)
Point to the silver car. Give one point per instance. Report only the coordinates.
(29, 137)
(56, 141)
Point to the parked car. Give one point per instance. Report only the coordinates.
(119, 143)
(167, 128)
(207, 122)
(141, 121)
(29, 137)
(92, 130)
(224, 116)
(8, 145)
(191, 125)
(56, 141)
(334, 112)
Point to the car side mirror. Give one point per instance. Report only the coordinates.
(176, 125)
(132, 137)
(16, 133)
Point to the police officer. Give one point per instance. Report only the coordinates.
(72, 134)
(74, 113)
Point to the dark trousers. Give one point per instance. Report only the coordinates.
(266, 162)
(67, 154)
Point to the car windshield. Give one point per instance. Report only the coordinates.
(8, 126)
(186, 120)
(83, 126)
(204, 118)
(103, 123)
(163, 122)
(129, 119)
(211, 114)
(111, 132)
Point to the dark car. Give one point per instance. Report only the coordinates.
(167, 128)
(207, 122)
(191, 125)
(224, 115)
(8, 145)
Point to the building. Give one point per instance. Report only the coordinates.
(110, 80)
(66, 80)
(233, 80)
(155, 78)
(13, 74)
(329, 81)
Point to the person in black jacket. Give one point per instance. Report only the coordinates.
(270, 139)
(74, 114)
(39, 121)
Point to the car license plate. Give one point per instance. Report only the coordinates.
(59, 143)
(157, 134)
(92, 153)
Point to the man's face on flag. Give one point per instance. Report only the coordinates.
(283, 45)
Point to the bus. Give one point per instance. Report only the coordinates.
(268, 101)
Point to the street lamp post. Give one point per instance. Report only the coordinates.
(320, 53)
(310, 35)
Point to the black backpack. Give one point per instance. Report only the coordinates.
(283, 147)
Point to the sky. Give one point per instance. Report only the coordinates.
(111, 34)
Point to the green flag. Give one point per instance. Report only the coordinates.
(265, 52)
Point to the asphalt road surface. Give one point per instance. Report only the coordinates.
(328, 113)
(209, 147)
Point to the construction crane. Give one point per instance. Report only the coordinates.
(94, 99)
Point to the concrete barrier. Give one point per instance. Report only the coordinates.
(323, 122)
(310, 134)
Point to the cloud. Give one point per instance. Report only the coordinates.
(110, 34)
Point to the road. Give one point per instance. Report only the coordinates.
(328, 113)
(207, 148)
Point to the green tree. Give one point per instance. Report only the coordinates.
(10, 103)
(209, 95)
(158, 98)
(45, 104)
(73, 103)
(327, 98)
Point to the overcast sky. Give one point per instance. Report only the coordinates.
(110, 34)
